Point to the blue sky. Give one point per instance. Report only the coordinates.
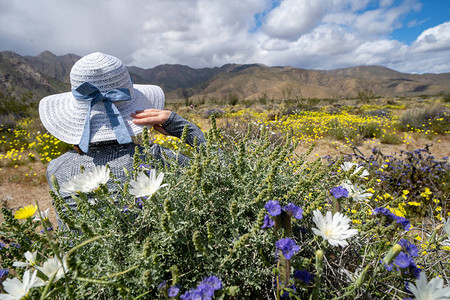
(410, 36)
(431, 14)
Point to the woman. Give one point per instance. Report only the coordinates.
(99, 117)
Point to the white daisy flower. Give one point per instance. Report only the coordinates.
(88, 181)
(51, 267)
(355, 192)
(44, 215)
(16, 289)
(334, 229)
(146, 185)
(346, 166)
(31, 260)
(432, 290)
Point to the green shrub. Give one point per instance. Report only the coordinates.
(389, 138)
(213, 219)
(435, 118)
(232, 99)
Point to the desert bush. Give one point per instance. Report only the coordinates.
(389, 138)
(243, 221)
(446, 98)
(263, 98)
(435, 118)
(19, 108)
(213, 112)
(232, 99)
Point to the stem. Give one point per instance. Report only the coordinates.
(96, 281)
(142, 295)
(47, 287)
(119, 273)
(71, 251)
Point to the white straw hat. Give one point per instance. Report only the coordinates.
(65, 117)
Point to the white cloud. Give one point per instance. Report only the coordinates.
(293, 18)
(320, 34)
(433, 39)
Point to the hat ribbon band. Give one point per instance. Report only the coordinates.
(88, 92)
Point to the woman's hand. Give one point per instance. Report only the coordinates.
(152, 118)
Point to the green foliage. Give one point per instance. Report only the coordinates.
(208, 221)
(29, 135)
(17, 108)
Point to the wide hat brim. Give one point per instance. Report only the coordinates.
(64, 116)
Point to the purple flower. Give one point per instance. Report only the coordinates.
(410, 248)
(214, 282)
(296, 211)
(303, 275)
(339, 191)
(46, 229)
(186, 296)
(415, 271)
(382, 210)
(162, 285)
(287, 247)
(403, 222)
(389, 267)
(3, 273)
(144, 167)
(205, 290)
(125, 209)
(268, 222)
(173, 290)
(139, 203)
(403, 260)
(400, 220)
(273, 207)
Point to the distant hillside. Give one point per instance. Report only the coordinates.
(252, 81)
(47, 74)
(54, 66)
(172, 77)
(18, 77)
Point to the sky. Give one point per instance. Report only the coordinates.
(411, 36)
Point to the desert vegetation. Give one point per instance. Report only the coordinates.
(300, 199)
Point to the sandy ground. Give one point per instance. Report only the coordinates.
(24, 185)
(27, 184)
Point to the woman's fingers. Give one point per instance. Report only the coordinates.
(146, 113)
(150, 117)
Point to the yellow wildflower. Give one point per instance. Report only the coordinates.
(25, 212)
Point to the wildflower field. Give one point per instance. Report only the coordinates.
(301, 199)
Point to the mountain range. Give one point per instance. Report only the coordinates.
(48, 74)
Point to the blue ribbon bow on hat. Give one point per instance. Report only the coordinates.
(88, 92)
